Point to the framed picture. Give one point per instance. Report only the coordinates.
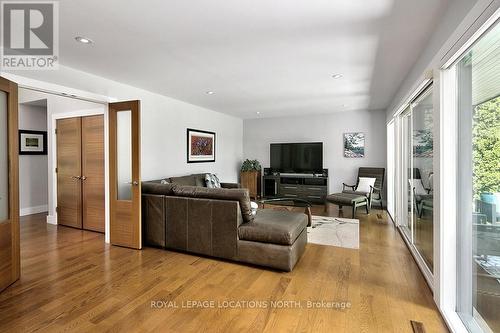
(354, 145)
(32, 142)
(200, 146)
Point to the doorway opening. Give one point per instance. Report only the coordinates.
(43, 183)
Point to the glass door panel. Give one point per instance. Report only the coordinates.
(124, 154)
(478, 251)
(422, 178)
(407, 211)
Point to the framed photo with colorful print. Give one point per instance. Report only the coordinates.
(200, 146)
(32, 142)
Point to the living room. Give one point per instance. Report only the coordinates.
(253, 166)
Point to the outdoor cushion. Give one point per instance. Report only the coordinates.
(274, 226)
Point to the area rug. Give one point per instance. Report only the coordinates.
(334, 231)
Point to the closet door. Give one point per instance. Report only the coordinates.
(69, 168)
(93, 173)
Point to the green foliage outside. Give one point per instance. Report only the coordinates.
(486, 147)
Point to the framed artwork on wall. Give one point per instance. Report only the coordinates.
(32, 142)
(200, 146)
(354, 145)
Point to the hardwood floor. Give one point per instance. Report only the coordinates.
(72, 281)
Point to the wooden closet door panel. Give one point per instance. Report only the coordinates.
(9, 185)
(93, 173)
(69, 168)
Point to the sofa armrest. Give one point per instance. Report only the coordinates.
(230, 185)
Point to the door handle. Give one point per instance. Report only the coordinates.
(134, 183)
(84, 178)
(76, 177)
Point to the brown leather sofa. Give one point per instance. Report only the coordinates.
(219, 223)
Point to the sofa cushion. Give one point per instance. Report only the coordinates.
(199, 179)
(184, 180)
(156, 188)
(274, 226)
(235, 194)
(212, 181)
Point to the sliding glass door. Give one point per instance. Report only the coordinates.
(421, 182)
(415, 186)
(478, 184)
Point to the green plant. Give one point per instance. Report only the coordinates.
(250, 165)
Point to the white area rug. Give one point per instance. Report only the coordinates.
(334, 231)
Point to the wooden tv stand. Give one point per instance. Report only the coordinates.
(309, 187)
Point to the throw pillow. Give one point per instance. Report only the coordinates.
(418, 186)
(254, 207)
(212, 181)
(365, 183)
(164, 181)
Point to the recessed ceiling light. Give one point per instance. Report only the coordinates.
(258, 112)
(344, 105)
(210, 92)
(337, 76)
(84, 40)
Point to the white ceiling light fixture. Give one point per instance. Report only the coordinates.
(210, 92)
(337, 76)
(83, 40)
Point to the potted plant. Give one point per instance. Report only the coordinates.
(251, 177)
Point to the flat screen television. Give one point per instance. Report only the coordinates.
(297, 157)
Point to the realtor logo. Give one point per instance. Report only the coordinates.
(29, 35)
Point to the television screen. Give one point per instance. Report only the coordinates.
(297, 157)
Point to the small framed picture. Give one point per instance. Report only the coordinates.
(200, 146)
(32, 142)
(354, 145)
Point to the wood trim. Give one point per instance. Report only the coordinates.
(125, 215)
(12, 104)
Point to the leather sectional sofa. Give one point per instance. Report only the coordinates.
(219, 223)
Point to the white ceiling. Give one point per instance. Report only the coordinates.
(275, 57)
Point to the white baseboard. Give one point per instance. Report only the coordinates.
(52, 219)
(33, 210)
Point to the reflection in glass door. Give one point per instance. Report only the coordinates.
(422, 176)
(416, 182)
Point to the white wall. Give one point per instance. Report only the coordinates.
(329, 129)
(33, 169)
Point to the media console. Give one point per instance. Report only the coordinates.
(310, 187)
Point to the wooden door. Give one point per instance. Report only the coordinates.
(9, 185)
(124, 174)
(93, 173)
(69, 168)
